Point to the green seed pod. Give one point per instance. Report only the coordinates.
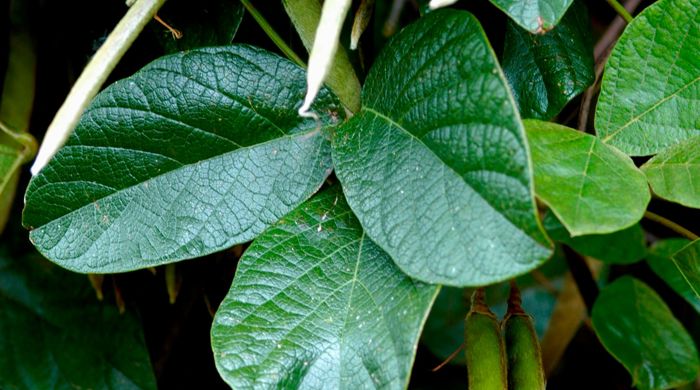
(525, 371)
(486, 363)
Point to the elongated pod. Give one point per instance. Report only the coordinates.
(486, 364)
(525, 371)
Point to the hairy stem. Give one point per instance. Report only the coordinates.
(341, 79)
(620, 10)
(671, 225)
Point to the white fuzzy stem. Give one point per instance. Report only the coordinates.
(92, 78)
(323, 51)
(435, 4)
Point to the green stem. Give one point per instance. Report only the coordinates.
(93, 76)
(24, 139)
(272, 34)
(620, 9)
(341, 79)
(671, 225)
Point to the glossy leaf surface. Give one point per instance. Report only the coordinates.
(316, 304)
(673, 173)
(436, 165)
(639, 330)
(54, 334)
(547, 71)
(536, 16)
(591, 187)
(193, 154)
(650, 95)
(662, 262)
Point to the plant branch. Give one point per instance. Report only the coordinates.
(92, 78)
(621, 10)
(671, 225)
(272, 34)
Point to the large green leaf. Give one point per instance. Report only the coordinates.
(436, 165)
(674, 174)
(621, 247)
(661, 261)
(315, 304)
(536, 16)
(591, 187)
(649, 95)
(202, 23)
(639, 330)
(547, 71)
(54, 334)
(195, 153)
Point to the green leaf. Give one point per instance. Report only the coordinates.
(547, 71)
(621, 247)
(591, 187)
(649, 94)
(56, 335)
(688, 262)
(660, 259)
(436, 165)
(536, 16)
(639, 330)
(316, 304)
(674, 173)
(195, 153)
(202, 23)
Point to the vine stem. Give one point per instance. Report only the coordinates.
(671, 225)
(620, 10)
(92, 78)
(24, 139)
(272, 34)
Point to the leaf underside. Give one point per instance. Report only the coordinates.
(536, 16)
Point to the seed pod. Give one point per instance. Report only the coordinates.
(486, 364)
(525, 370)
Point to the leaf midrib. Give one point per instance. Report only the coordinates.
(656, 105)
(309, 134)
